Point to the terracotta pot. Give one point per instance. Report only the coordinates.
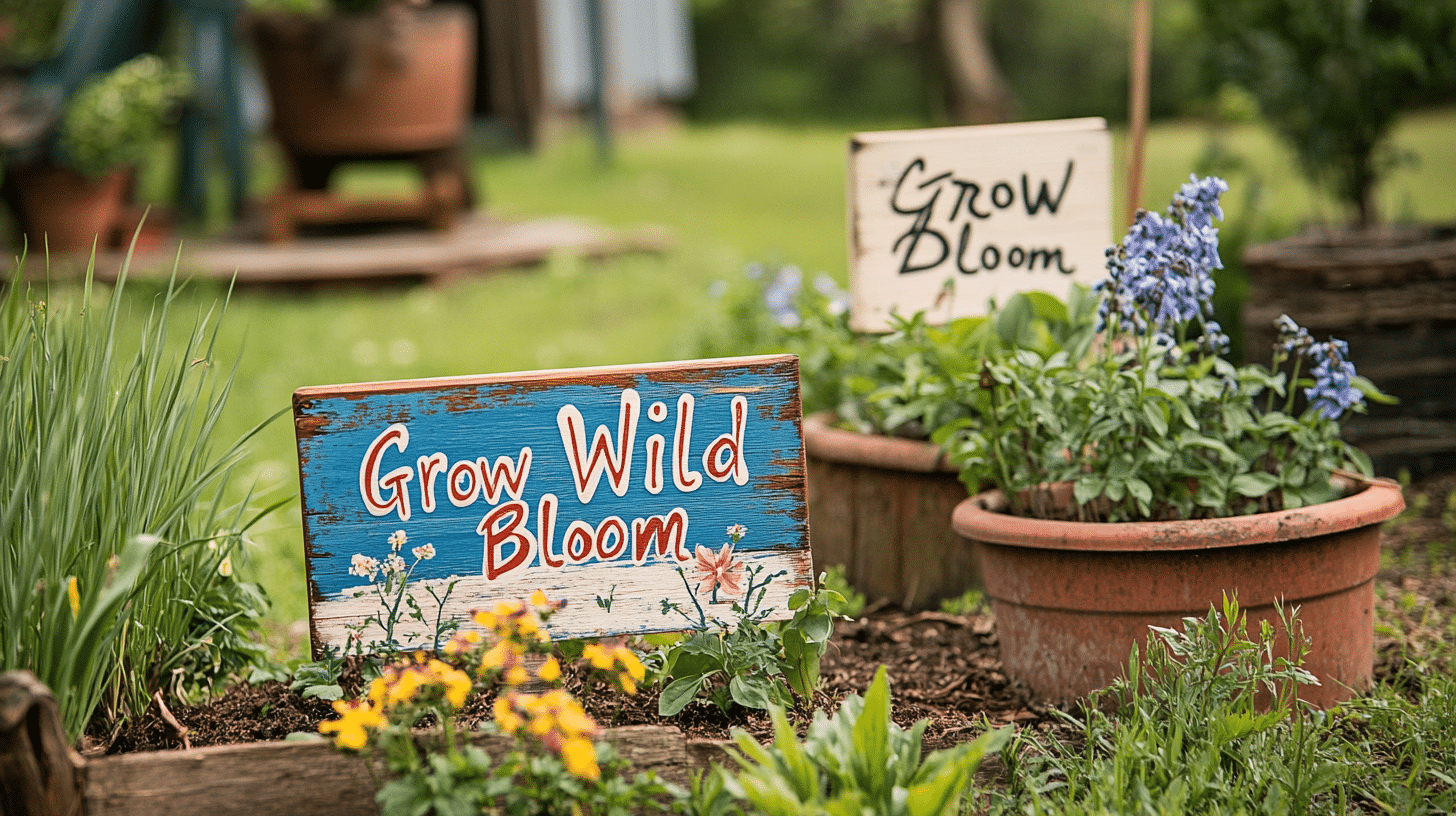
(60, 210)
(1071, 598)
(409, 98)
(881, 507)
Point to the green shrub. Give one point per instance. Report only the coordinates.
(1332, 77)
(117, 555)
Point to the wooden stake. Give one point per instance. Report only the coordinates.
(1137, 114)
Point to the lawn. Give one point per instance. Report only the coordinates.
(729, 195)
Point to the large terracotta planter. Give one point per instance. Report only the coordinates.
(383, 104)
(395, 85)
(60, 210)
(1071, 598)
(881, 507)
(1391, 294)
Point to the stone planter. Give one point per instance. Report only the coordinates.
(1391, 294)
(881, 507)
(1071, 598)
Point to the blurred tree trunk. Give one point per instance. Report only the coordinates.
(975, 91)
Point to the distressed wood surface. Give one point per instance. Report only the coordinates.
(280, 778)
(986, 210)
(595, 485)
(38, 774)
(881, 507)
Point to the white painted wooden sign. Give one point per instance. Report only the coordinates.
(946, 219)
(613, 489)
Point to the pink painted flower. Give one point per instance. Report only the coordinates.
(718, 570)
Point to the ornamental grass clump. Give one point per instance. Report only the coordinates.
(117, 546)
(1153, 423)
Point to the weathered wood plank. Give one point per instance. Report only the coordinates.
(37, 766)
(605, 487)
(987, 210)
(285, 778)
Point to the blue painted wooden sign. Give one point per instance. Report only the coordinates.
(649, 498)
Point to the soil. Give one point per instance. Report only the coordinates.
(944, 668)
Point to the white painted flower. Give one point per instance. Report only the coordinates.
(424, 553)
(737, 532)
(397, 540)
(363, 566)
(393, 564)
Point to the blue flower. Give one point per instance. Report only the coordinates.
(838, 299)
(1333, 391)
(780, 295)
(1293, 338)
(1164, 265)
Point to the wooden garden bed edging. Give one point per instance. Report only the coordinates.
(41, 776)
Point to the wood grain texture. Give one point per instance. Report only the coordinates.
(286, 778)
(605, 487)
(38, 775)
(987, 210)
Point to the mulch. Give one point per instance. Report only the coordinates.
(944, 668)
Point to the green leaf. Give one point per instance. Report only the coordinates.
(331, 691)
(872, 735)
(1156, 418)
(1088, 488)
(679, 693)
(1253, 485)
(799, 598)
(750, 691)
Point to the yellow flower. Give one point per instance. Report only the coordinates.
(461, 642)
(506, 717)
(73, 594)
(404, 688)
(496, 657)
(486, 619)
(455, 682)
(550, 671)
(538, 598)
(517, 676)
(574, 722)
(352, 727)
(506, 609)
(541, 724)
(629, 662)
(624, 680)
(580, 758)
(378, 688)
(600, 658)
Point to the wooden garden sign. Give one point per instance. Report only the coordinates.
(610, 488)
(946, 219)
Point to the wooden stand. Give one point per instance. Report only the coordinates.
(305, 198)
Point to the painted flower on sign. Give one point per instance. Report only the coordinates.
(715, 570)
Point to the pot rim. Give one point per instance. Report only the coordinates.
(823, 441)
(1369, 500)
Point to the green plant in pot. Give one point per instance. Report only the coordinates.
(880, 493)
(1143, 481)
(1332, 80)
(106, 130)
